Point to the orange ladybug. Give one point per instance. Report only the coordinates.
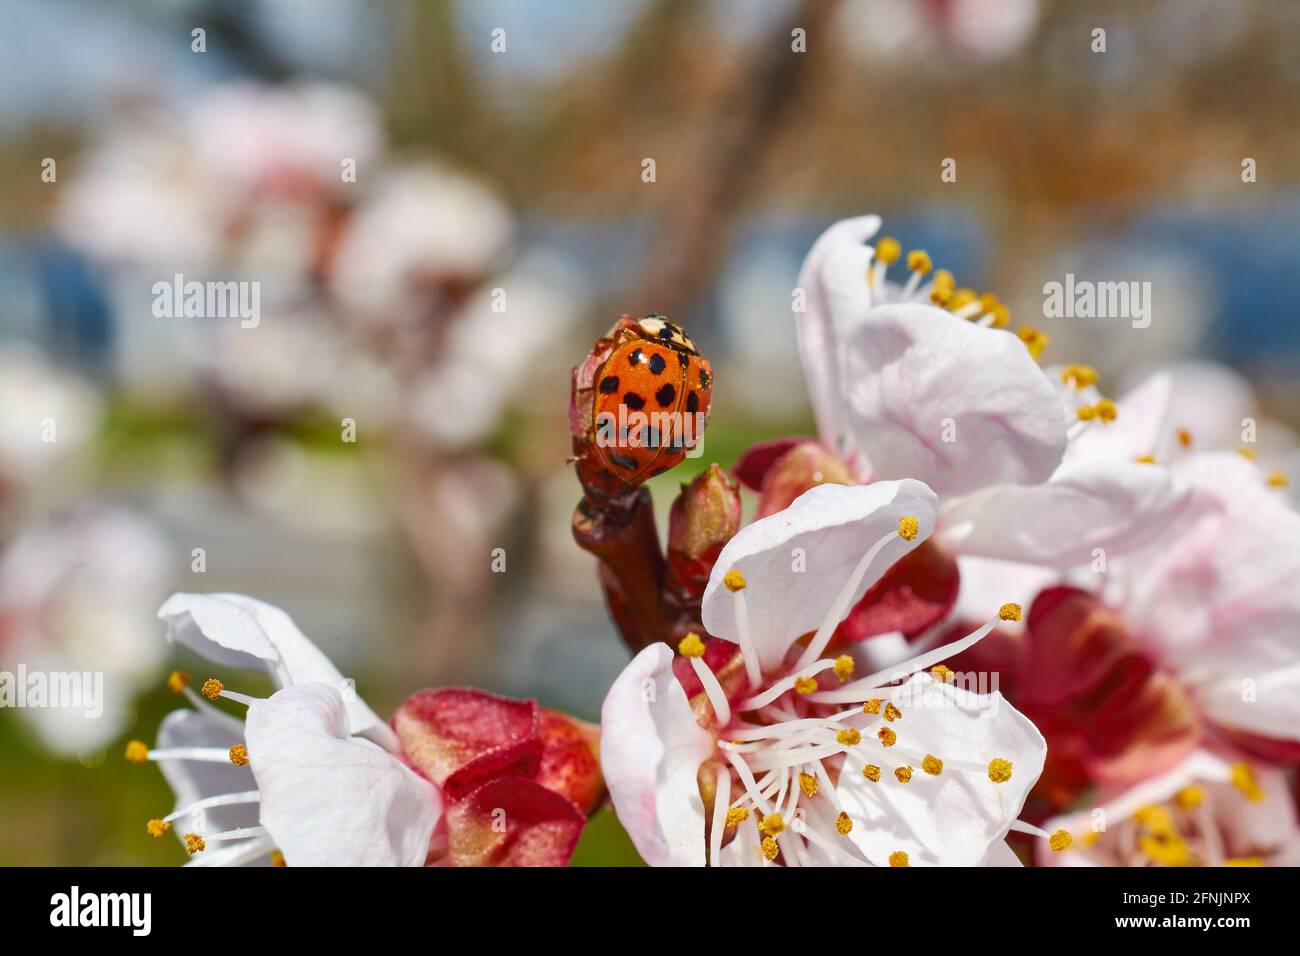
(649, 400)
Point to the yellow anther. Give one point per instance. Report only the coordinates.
(843, 667)
(918, 260)
(137, 751)
(733, 580)
(1009, 612)
(212, 688)
(157, 828)
(988, 300)
(1034, 340)
(1086, 413)
(849, 737)
(932, 765)
(1001, 316)
(1155, 819)
(805, 685)
(944, 287)
(941, 673)
(1277, 479)
(808, 784)
(770, 849)
(908, 527)
(194, 843)
(898, 858)
(1189, 798)
(843, 824)
(1243, 778)
(999, 770)
(772, 824)
(892, 713)
(737, 816)
(177, 681)
(1246, 453)
(1167, 848)
(277, 858)
(239, 755)
(904, 774)
(871, 772)
(1244, 861)
(1079, 376)
(1184, 438)
(1060, 840)
(1145, 459)
(1091, 838)
(872, 706)
(1106, 410)
(691, 646)
(887, 736)
(962, 298)
(888, 250)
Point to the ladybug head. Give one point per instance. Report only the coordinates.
(659, 329)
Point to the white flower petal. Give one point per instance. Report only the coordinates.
(958, 406)
(795, 562)
(1209, 400)
(238, 631)
(1001, 855)
(955, 818)
(328, 798)
(1220, 596)
(1264, 702)
(193, 780)
(651, 749)
(987, 583)
(1141, 427)
(1118, 507)
(834, 279)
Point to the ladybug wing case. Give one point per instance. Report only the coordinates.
(645, 393)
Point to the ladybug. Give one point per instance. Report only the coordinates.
(651, 399)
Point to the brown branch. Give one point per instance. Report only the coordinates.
(708, 198)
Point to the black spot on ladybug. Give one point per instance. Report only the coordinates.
(666, 332)
(704, 379)
(657, 363)
(609, 384)
(626, 462)
(665, 396)
(693, 402)
(633, 400)
(636, 358)
(683, 359)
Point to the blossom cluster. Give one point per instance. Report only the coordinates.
(987, 615)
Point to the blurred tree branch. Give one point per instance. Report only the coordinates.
(707, 199)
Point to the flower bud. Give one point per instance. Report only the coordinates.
(704, 517)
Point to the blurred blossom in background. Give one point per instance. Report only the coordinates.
(398, 412)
